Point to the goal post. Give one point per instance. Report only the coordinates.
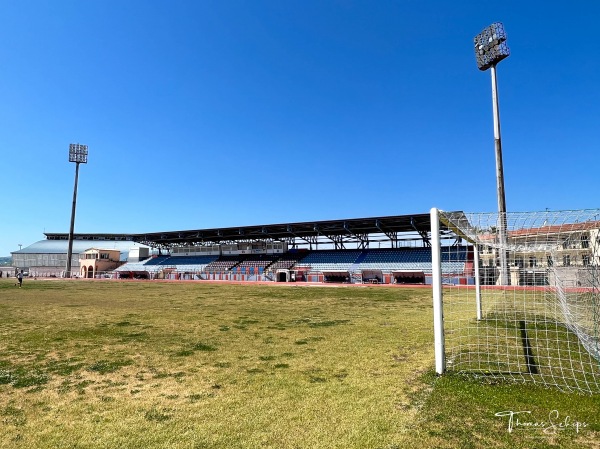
(541, 322)
(436, 285)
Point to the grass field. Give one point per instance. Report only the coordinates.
(109, 364)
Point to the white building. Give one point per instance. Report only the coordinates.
(49, 257)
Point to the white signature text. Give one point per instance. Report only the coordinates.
(554, 424)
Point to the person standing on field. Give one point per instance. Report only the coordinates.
(20, 278)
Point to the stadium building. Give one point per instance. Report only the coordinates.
(391, 249)
(388, 250)
(48, 258)
(568, 249)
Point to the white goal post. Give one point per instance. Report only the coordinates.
(540, 321)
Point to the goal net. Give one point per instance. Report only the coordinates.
(526, 306)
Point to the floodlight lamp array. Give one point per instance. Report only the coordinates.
(78, 153)
(491, 46)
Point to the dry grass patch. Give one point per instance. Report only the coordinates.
(199, 365)
(193, 365)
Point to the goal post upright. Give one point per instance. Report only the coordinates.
(436, 280)
(477, 281)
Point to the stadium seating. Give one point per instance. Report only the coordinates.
(189, 260)
(138, 267)
(386, 260)
(157, 260)
(179, 263)
(256, 262)
(330, 259)
(390, 259)
(223, 263)
(397, 259)
(286, 261)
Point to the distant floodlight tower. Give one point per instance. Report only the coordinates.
(78, 154)
(490, 49)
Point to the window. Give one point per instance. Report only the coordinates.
(585, 241)
(532, 262)
(585, 259)
(566, 260)
(519, 262)
(104, 256)
(550, 261)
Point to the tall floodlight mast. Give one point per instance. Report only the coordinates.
(78, 154)
(490, 49)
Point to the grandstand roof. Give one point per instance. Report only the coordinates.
(89, 236)
(357, 228)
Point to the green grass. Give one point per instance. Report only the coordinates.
(195, 365)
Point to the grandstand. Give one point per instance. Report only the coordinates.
(367, 250)
(393, 249)
(403, 265)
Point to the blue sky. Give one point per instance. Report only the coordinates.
(203, 114)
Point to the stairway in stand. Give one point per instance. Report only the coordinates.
(354, 270)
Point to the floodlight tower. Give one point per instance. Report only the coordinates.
(78, 154)
(490, 49)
